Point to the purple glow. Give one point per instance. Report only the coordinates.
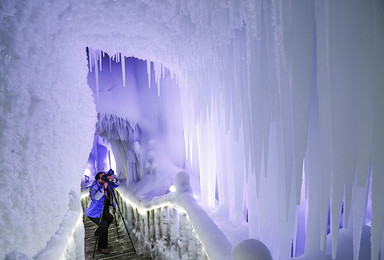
(138, 120)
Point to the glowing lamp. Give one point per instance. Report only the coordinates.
(172, 188)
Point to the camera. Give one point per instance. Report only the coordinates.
(109, 173)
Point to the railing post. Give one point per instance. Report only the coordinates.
(164, 225)
(183, 234)
(157, 224)
(130, 216)
(191, 242)
(121, 202)
(199, 247)
(173, 225)
(137, 223)
(152, 237)
(142, 231)
(146, 228)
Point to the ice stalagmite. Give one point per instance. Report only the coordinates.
(359, 207)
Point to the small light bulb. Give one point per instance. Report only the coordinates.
(172, 188)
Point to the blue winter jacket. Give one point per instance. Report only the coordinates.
(96, 193)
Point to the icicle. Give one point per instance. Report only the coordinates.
(90, 59)
(123, 68)
(100, 58)
(157, 68)
(149, 73)
(162, 71)
(110, 64)
(97, 78)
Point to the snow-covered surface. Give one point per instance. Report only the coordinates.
(281, 105)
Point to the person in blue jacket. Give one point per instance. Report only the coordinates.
(100, 194)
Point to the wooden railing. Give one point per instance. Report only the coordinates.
(172, 226)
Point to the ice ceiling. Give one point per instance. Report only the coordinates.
(281, 110)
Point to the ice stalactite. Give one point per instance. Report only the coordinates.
(281, 64)
(301, 73)
(323, 87)
(123, 68)
(120, 134)
(95, 63)
(266, 86)
(279, 94)
(149, 72)
(158, 75)
(113, 127)
(313, 173)
(100, 56)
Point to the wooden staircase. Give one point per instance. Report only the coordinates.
(120, 248)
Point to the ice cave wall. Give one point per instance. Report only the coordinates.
(47, 122)
(247, 70)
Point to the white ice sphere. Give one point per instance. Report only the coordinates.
(154, 167)
(136, 147)
(150, 156)
(151, 143)
(251, 249)
(147, 166)
(182, 182)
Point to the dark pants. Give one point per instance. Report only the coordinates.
(102, 230)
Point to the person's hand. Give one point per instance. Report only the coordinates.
(105, 185)
(111, 178)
